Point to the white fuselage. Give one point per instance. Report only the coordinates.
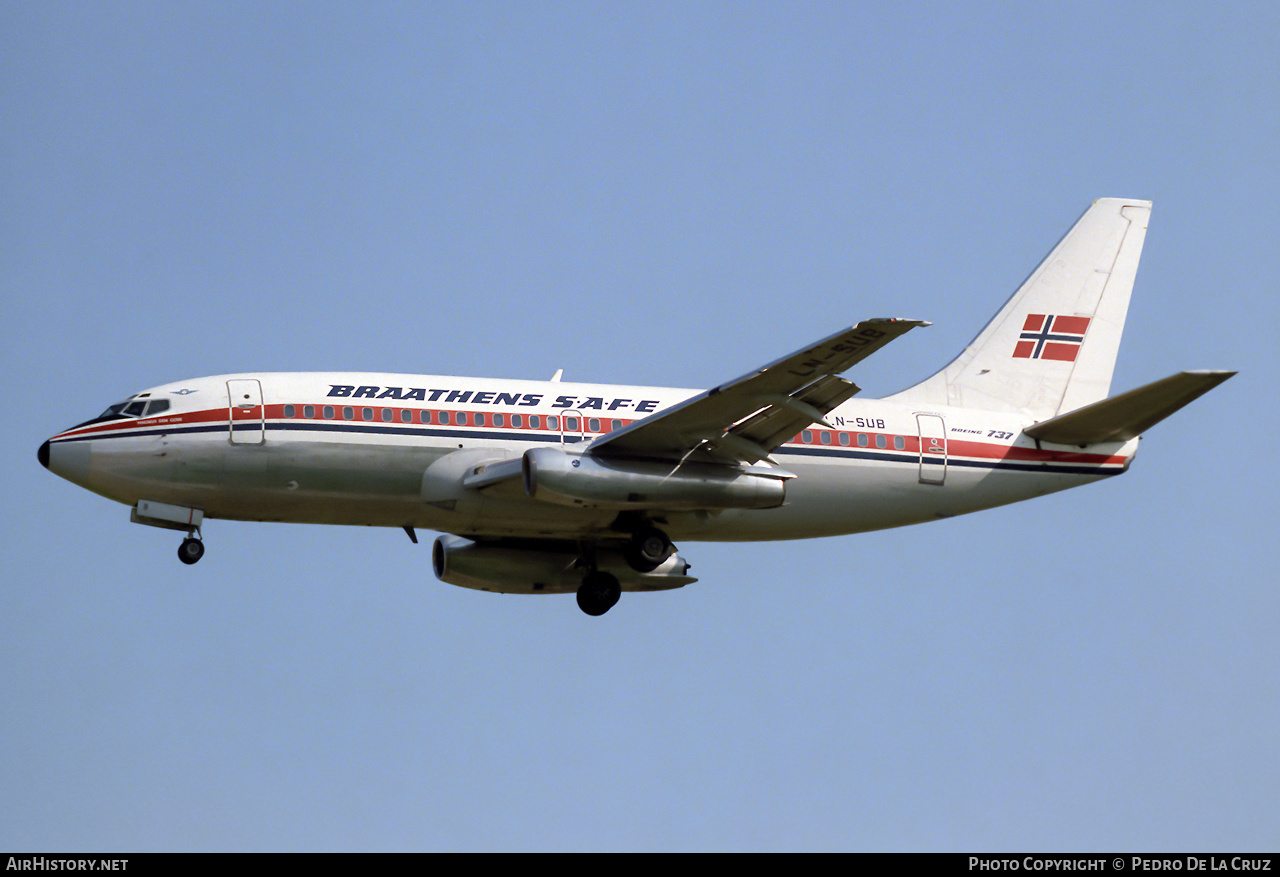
(344, 448)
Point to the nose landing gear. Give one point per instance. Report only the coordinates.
(173, 517)
(191, 550)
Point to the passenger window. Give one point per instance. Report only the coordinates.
(899, 442)
(844, 439)
(553, 422)
(593, 424)
(290, 411)
(862, 440)
(517, 420)
(571, 424)
(462, 418)
(348, 413)
(366, 414)
(806, 436)
(328, 412)
(617, 424)
(824, 437)
(308, 411)
(499, 420)
(479, 420)
(881, 442)
(444, 417)
(387, 415)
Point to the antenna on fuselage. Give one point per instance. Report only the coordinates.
(555, 378)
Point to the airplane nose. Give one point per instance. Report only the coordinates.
(70, 460)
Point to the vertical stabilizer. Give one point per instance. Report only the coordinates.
(1053, 346)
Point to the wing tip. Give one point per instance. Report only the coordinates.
(896, 320)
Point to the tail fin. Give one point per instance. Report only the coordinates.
(1053, 346)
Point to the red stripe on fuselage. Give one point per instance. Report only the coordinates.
(983, 451)
(1022, 454)
(206, 416)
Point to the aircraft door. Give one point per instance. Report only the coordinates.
(933, 448)
(572, 427)
(247, 417)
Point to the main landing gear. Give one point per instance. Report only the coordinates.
(191, 549)
(648, 549)
(598, 593)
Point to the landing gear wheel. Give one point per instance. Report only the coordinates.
(190, 550)
(648, 549)
(598, 593)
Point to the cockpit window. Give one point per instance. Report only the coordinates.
(135, 406)
(112, 411)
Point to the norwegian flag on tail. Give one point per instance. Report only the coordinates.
(1049, 336)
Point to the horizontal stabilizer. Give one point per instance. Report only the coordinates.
(1128, 415)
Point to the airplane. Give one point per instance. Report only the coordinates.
(559, 487)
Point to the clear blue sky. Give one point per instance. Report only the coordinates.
(637, 193)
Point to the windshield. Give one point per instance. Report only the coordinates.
(112, 411)
(134, 406)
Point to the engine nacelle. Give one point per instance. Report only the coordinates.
(539, 569)
(588, 481)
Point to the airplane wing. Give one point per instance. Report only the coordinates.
(747, 418)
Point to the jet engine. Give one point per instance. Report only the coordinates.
(589, 481)
(542, 567)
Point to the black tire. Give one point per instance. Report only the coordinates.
(598, 593)
(648, 550)
(190, 551)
